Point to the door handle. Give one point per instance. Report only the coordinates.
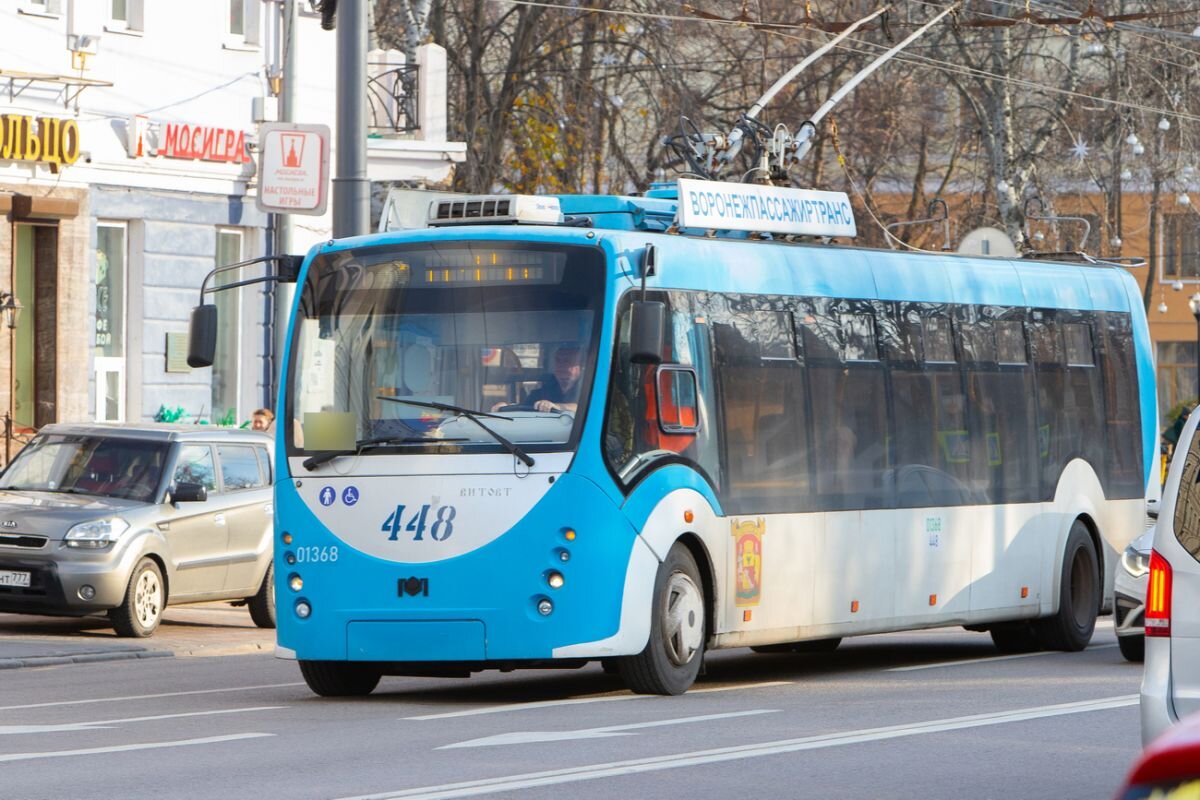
(219, 519)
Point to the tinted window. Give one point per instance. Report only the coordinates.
(114, 467)
(849, 408)
(939, 344)
(1122, 406)
(859, 331)
(1010, 342)
(194, 464)
(1078, 340)
(1187, 503)
(239, 468)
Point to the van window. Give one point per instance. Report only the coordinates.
(1187, 504)
(195, 465)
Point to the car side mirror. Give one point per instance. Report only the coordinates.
(185, 492)
(202, 336)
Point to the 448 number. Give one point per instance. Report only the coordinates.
(439, 526)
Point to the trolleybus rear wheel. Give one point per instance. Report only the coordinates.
(1078, 598)
(339, 678)
(671, 660)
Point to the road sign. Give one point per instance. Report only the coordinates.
(293, 173)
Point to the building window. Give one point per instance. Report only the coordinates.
(126, 16)
(109, 335)
(1176, 375)
(226, 369)
(1181, 246)
(242, 24)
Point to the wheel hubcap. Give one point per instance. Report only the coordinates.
(683, 623)
(147, 599)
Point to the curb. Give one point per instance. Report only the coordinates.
(81, 658)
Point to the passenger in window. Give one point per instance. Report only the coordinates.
(561, 393)
(263, 419)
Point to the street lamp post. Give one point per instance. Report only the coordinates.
(1194, 305)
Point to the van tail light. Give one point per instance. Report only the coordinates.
(1158, 597)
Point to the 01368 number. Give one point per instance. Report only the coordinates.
(439, 527)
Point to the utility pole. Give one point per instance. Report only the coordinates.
(283, 292)
(351, 189)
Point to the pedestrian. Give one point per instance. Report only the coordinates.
(263, 419)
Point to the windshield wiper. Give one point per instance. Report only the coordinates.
(315, 461)
(474, 416)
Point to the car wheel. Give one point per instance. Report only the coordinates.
(340, 678)
(671, 660)
(1133, 648)
(145, 598)
(1079, 596)
(262, 605)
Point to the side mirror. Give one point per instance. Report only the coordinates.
(202, 336)
(189, 493)
(646, 331)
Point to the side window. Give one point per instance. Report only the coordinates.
(239, 468)
(1187, 504)
(264, 463)
(195, 465)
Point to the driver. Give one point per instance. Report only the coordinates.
(562, 393)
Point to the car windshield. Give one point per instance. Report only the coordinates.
(113, 467)
(405, 343)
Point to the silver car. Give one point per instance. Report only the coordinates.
(1171, 677)
(1129, 596)
(127, 519)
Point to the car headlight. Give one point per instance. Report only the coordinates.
(97, 534)
(1135, 562)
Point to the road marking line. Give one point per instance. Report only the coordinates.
(67, 727)
(988, 659)
(124, 748)
(529, 780)
(608, 698)
(534, 737)
(150, 696)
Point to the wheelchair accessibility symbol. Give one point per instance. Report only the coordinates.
(350, 495)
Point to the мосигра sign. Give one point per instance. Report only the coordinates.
(203, 143)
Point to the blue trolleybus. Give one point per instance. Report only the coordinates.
(543, 431)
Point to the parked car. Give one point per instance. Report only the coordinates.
(127, 519)
(1171, 676)
(1129, 601)
(1169, 767)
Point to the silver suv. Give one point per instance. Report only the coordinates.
(129, 518)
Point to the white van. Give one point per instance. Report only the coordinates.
(1171, 681)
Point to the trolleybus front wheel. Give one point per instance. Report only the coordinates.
(671, 660)
(339, 678)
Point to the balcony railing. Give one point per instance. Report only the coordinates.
(392, 97)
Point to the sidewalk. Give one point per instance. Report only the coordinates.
(210, 629)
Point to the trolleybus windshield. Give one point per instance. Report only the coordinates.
(498, 328)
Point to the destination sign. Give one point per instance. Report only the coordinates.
(771, 209)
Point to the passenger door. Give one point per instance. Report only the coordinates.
(196, 533)
(247, 490)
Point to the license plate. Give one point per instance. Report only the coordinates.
(12, 578)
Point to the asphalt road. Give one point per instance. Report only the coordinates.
(934, 714)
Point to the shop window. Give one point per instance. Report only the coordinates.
(109, 334)
(226, 369)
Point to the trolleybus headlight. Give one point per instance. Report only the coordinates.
(295, 582)
(545, 607)
(563, 554)
(303, 609)
(554, 579)
(289, 557)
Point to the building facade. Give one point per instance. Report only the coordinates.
(128, 170)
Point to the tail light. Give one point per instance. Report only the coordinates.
(1158, 597)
